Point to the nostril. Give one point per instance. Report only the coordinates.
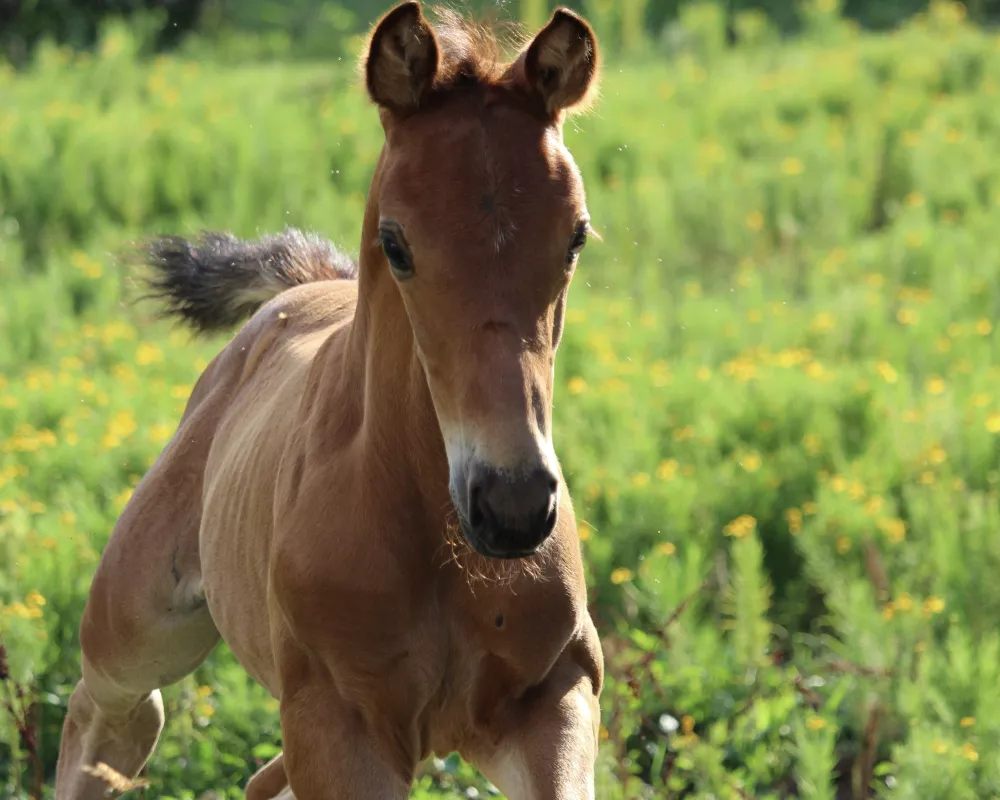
(476, 514)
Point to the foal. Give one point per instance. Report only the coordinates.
(362, 498)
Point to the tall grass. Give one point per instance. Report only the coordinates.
(776, 407)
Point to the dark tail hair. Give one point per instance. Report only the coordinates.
(219, 280)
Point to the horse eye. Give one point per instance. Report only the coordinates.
(399, 259)
(577, 243)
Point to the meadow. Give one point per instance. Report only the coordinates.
(777, 402)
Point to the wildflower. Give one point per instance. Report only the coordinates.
(792, 166)
(204, 691)
(933, 605)
(914, 239)
(927, 477)
(904, 602)
(640, 479)
(621, 575)
(687, 724)
(888, 611)
(816, 723)
(937, 455)
(984, 327)
(967, 722)
(666, 549)
(703, 374)
(895, 529)
(843, 545)
(794, 519)
(741, 527)
(907, 316)
(809, 508)
(979, 400)
(751, 462)
(935, 386)
(583, 531)
(939, 747)
(576, 385)
(823, 321)
(885, 369)
(914, 200)
(993, 422)
(755, 221)
(667, 470)
(969, 751)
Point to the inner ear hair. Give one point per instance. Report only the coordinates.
(402, 59)
(562, 62)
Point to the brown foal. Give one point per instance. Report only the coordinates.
(362, 498)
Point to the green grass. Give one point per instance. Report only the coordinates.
(776, 405)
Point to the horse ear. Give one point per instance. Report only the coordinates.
(561, 63)
(402, 59)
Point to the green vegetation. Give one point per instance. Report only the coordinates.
(777, 401)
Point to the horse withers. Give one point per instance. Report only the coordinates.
(362, 497)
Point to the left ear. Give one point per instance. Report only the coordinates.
(561, 63)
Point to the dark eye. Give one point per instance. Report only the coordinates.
(577, 243)
(399, 259)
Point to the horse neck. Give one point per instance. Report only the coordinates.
(402, 437)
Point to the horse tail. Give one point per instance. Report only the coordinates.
(219, 280)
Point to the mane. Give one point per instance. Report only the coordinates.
(471, 51)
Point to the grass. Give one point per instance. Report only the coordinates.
(776, 403)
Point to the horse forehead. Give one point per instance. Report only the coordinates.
(481, 160)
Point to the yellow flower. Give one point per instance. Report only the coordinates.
(967, 722)
(885, 369)
(927, 477)
(809, 508)
(914, 200)
(640, 479)
(794, 518)
(741, 527)
(751, 462)
(904, 602)
(621, 575)
(843, 545)
(935, 386)
(907, 316)
(984, 327)
(666, 549)
(939, 747)
(895, 529)
(583, 531)
(933, 605)
(979, 400)
(969, 751)
(792, 166)
(576, 385)
(703, 373)
(937, 455)
(34, 599)
(204, 691)
(888, 611)
(823, 321)
(755, 220)
(993, 422)
(816, 723)
(667, 470)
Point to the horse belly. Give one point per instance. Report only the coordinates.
(237, 530)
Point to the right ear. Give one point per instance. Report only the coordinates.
(402, 59)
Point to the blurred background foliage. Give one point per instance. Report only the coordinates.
(776, 401)
(309, 29)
